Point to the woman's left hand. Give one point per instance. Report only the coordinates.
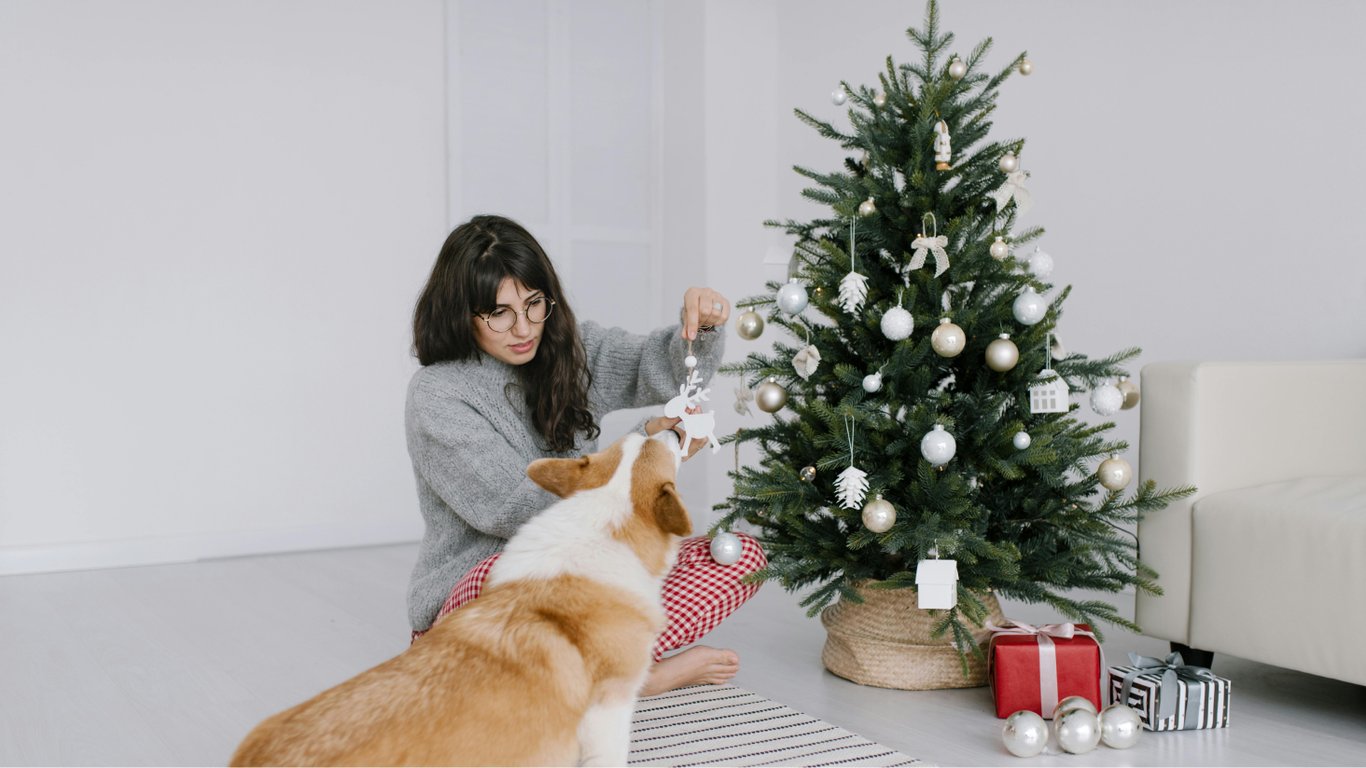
(703, 307)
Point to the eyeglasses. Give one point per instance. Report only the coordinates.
(502, 319)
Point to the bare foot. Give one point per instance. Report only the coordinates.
(698, 664)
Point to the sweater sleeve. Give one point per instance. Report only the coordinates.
(633, 371)
(469, 463)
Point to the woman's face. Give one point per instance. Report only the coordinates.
(518, 344)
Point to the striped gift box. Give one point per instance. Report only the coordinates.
(1195, 703)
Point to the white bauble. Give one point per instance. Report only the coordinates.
(1025, 734)
(879, 99)
(1002, 354)
(1029, 307)
(1026, 67)
(999, 248)
(1106, 399)
(1009, 162)
(948, 340)
(957, 69)
(872, 382)
(1074, 702)
(867, 207)
(897, 324)
(690, 361)
(1077, 730)
(938, 446)
(1120, 726)
(838, 96)
(792, 297)
(1021, 440)
(1114, 473)
(726, 548)
(770, 396)
(879, 515)
(1040, 263)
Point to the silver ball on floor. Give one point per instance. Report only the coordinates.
(1120, 726)
(1025, 734)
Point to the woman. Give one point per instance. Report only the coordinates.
(509, 376)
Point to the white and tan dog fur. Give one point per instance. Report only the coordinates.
(543, 668)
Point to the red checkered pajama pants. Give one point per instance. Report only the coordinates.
(698, 592)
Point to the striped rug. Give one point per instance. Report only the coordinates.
(725, 725)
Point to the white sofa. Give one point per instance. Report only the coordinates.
(1267, 560)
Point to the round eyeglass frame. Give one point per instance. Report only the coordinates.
(488, 319)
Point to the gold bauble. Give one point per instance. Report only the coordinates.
(750, 325)
(879, 515)
(1115, 473)
(770, 396)
(1130, 392)
(948, 339)
(1002, 354)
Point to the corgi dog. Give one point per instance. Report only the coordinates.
(544, 667)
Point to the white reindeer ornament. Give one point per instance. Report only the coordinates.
(697, 425)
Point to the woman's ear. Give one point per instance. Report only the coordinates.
(559, 476)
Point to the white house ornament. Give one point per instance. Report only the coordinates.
(1049, 394)
(936, 584)
(879, 515)
(999, 249)
(1130, 392)
(1040, 263)
(806, 361)
(1012, 189)
(792, 297)
(1114, 473)
(750, 325)
(726, 548)
(943, 147)
(1029, 307)
(1025, 734)
(948, 340)
(897, 323)
(938, 446)
(770, 396)
(1106, 399)
(1002, 354)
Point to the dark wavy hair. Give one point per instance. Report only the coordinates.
(473, 263)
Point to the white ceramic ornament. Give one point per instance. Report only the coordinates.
(879, 515)
(1002, 354)
(1021, 440)
(1040, 263)
(948, 340)
(1120, 726)
(1106, 399)
(938, 446)
(1077, 730)
(770, 396)
(1029, 307)
(897, 324)
(750, 325)
(792, 297)
(1050, 395)
(726, 548)
(872, 382)
(1115, 473)
(1025, 734)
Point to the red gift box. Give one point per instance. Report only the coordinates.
(1036, 667)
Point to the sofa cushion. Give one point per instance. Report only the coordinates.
(1279, 574)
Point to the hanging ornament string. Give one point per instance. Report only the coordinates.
(934, 244)
(852, 484)
(854, 287)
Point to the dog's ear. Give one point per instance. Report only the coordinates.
(670, 513)
(559, 476)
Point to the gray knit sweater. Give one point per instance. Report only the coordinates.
(470, 438)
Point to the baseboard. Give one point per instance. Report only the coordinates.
(163, 550)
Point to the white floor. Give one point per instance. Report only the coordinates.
(172, 665)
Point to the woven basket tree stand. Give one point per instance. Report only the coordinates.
(886, 641)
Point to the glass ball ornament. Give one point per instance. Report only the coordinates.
(897, 324)
(1029, 307)
(1077, 730)
(1008, 162)
(1002, 354)
(1025, 734)
(792, 297)
(872, 382)
(1106, 399)
(999, 248)
(770, 396)
(938, 446)
(838, 96)
(867, 207)
(879, 515)
(879, 99)
(1120, 726)
(750, 325)
(1040, 263)
(808, 474)
(1074, 702)
(1130, 392)
(1021, 440)
(726, 548)
(957, 69)
(948, 340)
(1115, 473)
(1026, 67)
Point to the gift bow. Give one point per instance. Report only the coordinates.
(1048, 655)
(1171, 669)
(1013, 187)
(934, 245)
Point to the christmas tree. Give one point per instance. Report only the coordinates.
(924, 370)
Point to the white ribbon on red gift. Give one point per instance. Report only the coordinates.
(1048, 656)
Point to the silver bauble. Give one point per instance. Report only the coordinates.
(1074, 702)
(808, 474)
(867, 207)
(1021, 440)
(1002, 354)
(1025, 734)
(838, 96)
(1130, 392)
(1106, 399)
(726, 548)
(792, 297)
(872, 382)
(1026, 67)
(897, 324)
(999, 248)
(1114, 473)
(957, 69)
(879, 515)
(1008, 162)
(770, 396)
(1040, 263)
(1029, 307)
(1077, 730)
(1120, 725)
(938, 446)
(948, 340)
(750, 325)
